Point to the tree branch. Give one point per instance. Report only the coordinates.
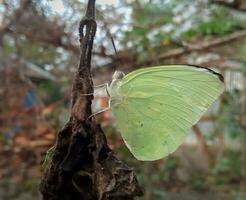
(83, 167)
(202, 144)
(81, 104)
(236, 4)
(202, 46)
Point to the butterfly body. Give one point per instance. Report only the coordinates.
(154, 107)
(113, 90)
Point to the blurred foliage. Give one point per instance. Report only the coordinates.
(218, 26)
(227, 168)
(173, 174)
(157, 25)
(30, 186)
(231, 114)
(169, 170)
(244, 68)
(198, 183)
(50, 92)
(35, 52)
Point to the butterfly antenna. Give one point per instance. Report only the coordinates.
(116, 52)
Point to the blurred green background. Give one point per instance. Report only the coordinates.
(39, 54)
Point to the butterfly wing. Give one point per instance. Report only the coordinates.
(160, 104)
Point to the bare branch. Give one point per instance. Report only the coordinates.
(202, 144)
(83, 166)
(202, 46)
(236, 4)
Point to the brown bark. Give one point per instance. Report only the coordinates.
(83, 167)
(202, 144)
(208, 118)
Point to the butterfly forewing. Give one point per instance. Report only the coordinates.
(161, 104)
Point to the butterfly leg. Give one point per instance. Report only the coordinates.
(107, 89)
(105, 85)
(100, 111)
(89, 94)
(101, 86)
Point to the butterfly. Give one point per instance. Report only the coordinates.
(154, 107)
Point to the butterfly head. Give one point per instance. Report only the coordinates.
(118, 75)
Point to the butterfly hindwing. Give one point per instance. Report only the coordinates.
(160, 104)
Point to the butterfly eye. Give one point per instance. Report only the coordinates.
(118, 75)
